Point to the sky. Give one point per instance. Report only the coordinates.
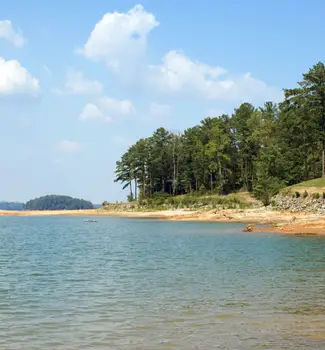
(81, 81)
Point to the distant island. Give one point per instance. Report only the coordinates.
(11, 206)
(57, 202)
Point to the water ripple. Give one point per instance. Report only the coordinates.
(145, 284)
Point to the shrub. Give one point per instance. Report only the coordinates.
(130, 197)
(202, 189)
(297, 194)
(305, 194)
(193, 200)
(316, 195)
(157, 199)
(266, 187)
(323, 195)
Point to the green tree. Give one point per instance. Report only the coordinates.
(242, 131)
(310, 97)
(257, 149)
(124, 172)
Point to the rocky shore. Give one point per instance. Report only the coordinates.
(295, 203)
(264, 219)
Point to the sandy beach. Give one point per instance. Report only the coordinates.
(265, 220)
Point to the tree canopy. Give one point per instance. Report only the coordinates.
(57, 202)
(255, 149)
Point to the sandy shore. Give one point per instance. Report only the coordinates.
(271, 220)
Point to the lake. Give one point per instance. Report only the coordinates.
(122, 283)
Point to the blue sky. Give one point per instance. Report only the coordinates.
(80, 81)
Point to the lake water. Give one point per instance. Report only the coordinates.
(146, 284)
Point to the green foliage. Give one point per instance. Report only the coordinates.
(266, 187)
(315, 195)
(55, 202)
(306, 108)
(256, 149)
(156, 200)
(130, 197)
(193, 201)
(305, 194)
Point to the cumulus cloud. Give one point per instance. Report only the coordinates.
(77, 84)
(178, 74)
(106, 108)
(14, 78)
(116, 107)
(8, 32)
(92, 112)
(120, 38)
(68, 146)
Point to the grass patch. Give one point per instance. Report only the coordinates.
(310, 186)
(192, 201)
(196, 201)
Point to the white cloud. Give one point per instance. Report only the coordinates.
(77, 84)
(178, 74)
(92, 112)
(14, 78)
(116, 107)
(67, 146)
(9, 33)
(157, 110)
(106, 108)
(120, 38)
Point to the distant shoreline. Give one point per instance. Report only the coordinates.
(300, 223)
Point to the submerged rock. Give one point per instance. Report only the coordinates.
(249, 228)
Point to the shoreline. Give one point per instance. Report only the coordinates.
(297, 223)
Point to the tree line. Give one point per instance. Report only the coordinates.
(11, 206)
(57, 202)
(255, 149)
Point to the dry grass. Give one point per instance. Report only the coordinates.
(311, 186)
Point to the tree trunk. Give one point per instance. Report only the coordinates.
(177, 175)
(323, 159)
(220, 177)
(211, 182)
(131, 193)
(323, 135)
(174, 170)
(135, 189)
(144, 183)
(150, 184)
